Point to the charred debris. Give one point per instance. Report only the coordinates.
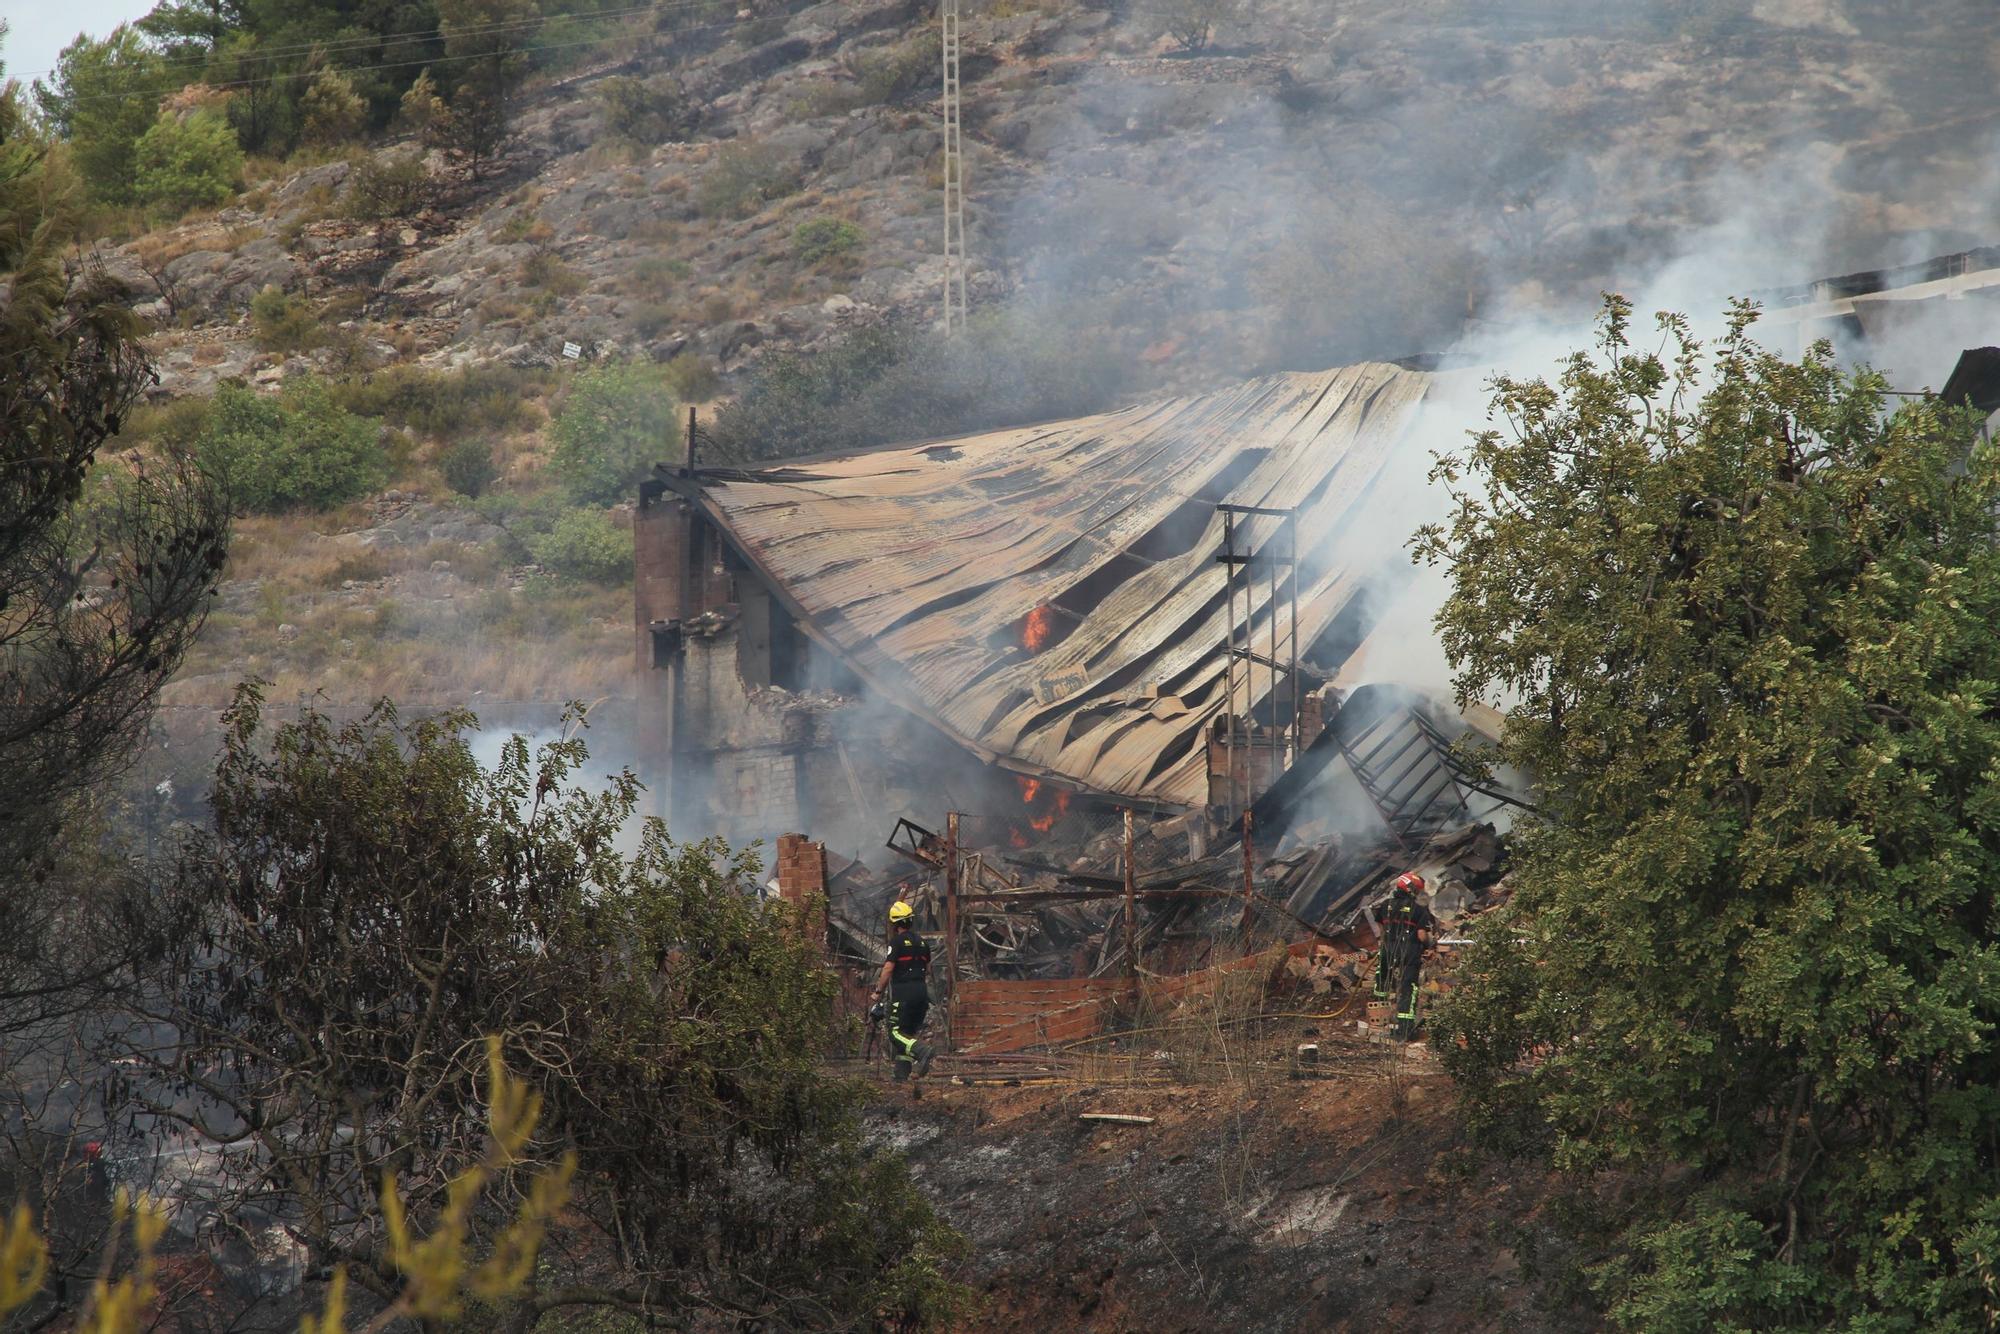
(1096, 697)
(1113, 701)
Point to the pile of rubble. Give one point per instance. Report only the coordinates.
(1195, 897)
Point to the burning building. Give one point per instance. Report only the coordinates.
(1173, 618)
(1152, 607)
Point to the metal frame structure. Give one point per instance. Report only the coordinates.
(1240, 570)
(954, 174)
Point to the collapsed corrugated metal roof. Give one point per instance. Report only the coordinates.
(919, 565)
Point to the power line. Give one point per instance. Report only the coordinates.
(494, 28)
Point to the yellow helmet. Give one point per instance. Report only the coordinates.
(900, 911)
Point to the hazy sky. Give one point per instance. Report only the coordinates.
(38, 29)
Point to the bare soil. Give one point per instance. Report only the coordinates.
(1346, 1200)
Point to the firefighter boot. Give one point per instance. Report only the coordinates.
(924, 1052)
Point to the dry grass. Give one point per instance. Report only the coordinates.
(355, 623)
(1209, 1038)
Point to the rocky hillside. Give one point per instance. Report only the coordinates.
(1319, 182)
(1313, 183)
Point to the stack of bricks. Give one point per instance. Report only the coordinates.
(1312, 718)
(802, 873)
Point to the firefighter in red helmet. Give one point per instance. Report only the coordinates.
(1408, 930)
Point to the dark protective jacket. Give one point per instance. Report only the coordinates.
(909, 956)
(1401, 921)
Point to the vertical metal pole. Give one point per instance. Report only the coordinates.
(1229, 654)
(690, 439)
(666, 789)
(1131, 946)
(1271, 609)
(1249, 881)
(944, 36)
(1292, 527)
(950, 925)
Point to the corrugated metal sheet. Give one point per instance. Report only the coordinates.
(918, 564)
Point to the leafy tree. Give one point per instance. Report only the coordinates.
(300, 450)
(618, 421)
(487, 42)
(330, 111)
(106, 567)
(421, 109)
(105, 97)
(265, 81)
(104, 572)
(186, 162)
(1749, 624)
(189, 30)
(585, 545)
(671, 1025)
(468, 467)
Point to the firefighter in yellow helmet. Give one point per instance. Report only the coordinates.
(905, 977)
(1408, 930)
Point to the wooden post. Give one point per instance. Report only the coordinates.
(690, 439)
(1249, 883)
(1131, 945)
(950, 924)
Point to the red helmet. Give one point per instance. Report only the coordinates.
(1410, 882)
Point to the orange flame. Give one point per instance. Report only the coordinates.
(1037, 627)
(1053, 800)
(1046, 821)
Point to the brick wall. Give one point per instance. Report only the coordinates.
(995, 1016)
(801, 868)
(659, 537)
(802, 876)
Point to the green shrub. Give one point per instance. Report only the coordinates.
(186, 163)
(650, 318)
(331, 112)
(745, 177)
(421, 107)
(175, 424)
(524, 518)
(390, 185)
(545, 270)
(300, 450)
(886, 74)
(819, 239)
(617, 422)
(586, 546)
(657, 276)
(281, 322)
(648, 111)
(692, 378)
(468, 467)
(484, 400)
